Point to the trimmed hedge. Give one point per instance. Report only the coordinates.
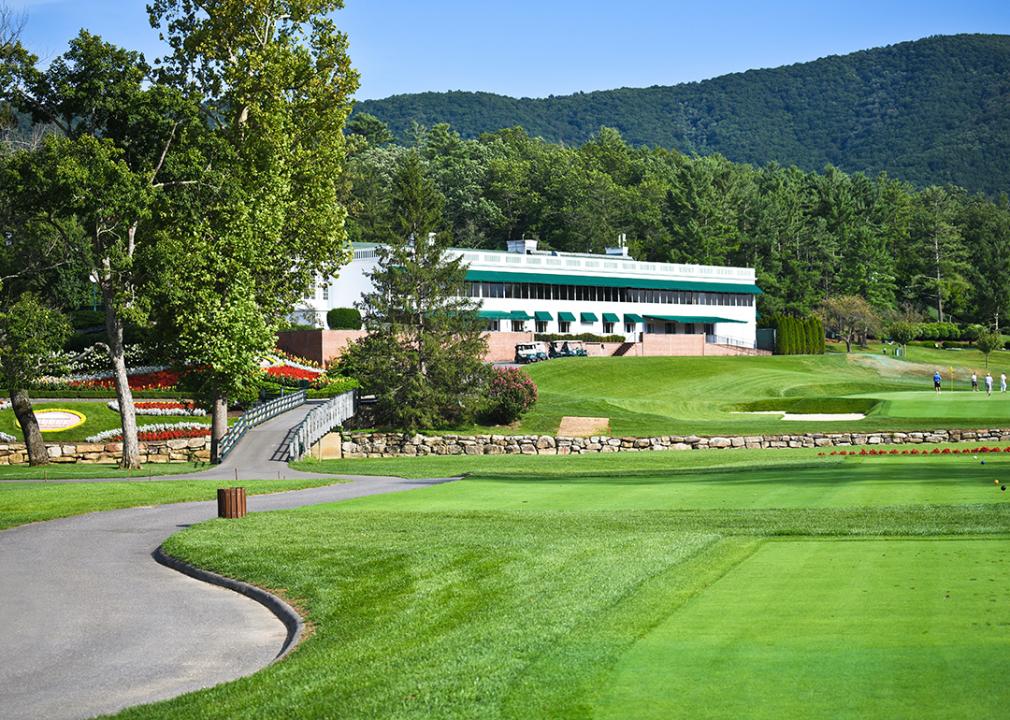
(799, 336)
(584, 337)
(343, 319)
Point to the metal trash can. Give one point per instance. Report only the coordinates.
(231, 502)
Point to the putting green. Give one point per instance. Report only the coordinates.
(867, 628)
(959, 405)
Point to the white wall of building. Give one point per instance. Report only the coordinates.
(347, 290)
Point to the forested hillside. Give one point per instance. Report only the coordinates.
(810, 235)
(933, 111)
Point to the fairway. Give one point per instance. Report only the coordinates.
(842, 629)
(644, 396)
(829, 587)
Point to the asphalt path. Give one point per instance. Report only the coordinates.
(91, 624)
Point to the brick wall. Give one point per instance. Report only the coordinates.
(501, 346)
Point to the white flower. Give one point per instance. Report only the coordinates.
(116, 434)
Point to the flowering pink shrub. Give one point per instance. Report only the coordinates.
(511, 393)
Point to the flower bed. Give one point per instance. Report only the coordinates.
(162, 407)
(176, 431)
(290, 372)
(915, 451)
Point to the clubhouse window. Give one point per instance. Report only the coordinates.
(608, 328)
(518, 326)
(542, 326)
(564, 327)
(542, 291)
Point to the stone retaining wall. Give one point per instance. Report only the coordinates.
(374, 445)
(159, 451)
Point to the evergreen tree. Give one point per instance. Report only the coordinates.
(423, 356)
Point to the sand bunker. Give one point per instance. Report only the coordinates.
(573, 426)
(808, 417)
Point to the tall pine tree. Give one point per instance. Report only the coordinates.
(423, 356)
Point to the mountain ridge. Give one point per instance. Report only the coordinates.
(930, 111)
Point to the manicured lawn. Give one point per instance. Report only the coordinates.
(706, 396)
(603, 464)
(624, 465)
(850, 629)
(99, 418)
(73, 471)
(638, 594)
(22, 503)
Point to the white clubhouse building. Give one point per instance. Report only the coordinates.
(528, 290)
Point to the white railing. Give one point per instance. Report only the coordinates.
(256, 415)
(732, 342)
(319, 422)
(483, 259)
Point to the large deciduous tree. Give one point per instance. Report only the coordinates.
(275, 82)
(118, 141)
(423, 355)
(850, 317)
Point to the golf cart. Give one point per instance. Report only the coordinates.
(530, 353)
(568, 348)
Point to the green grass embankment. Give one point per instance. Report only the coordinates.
(635, 594)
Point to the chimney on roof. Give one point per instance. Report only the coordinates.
(622, 247)
(522, 247)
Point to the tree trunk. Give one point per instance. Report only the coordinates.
(218, 425)
(127, 413)
(848, 343)
(22, 406)
(939, 280)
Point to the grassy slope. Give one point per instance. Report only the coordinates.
(99, 418)
(22, 503)
(518, 597)
(684, 396)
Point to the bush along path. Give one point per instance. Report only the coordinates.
(92, 624)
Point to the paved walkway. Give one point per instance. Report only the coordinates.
(91, 624)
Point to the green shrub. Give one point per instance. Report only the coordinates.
(939, 331)
(333, 386)
(799, 336)
(584, 337)
(343, 319)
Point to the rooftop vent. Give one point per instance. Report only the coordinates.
(522, 247)
(622, 247)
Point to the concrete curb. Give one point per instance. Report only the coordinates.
(285, 613)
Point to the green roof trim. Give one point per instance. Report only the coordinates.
(588, 317)
(493, 315)
(566, 317)
(543, 316)
(611, 317)
(632, 318)
(520, 315)
(687, 319)
(619, 282)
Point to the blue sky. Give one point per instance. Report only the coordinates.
(530, 48)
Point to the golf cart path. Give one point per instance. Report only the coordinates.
(91, 624)
(261, 455)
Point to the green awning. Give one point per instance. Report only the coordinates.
(520, 315)
(566, 317)
(619, 282)
(543, 316)
(632, 318)
(493, 315)
(588, 317)
(701, 319)
(611, 317)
